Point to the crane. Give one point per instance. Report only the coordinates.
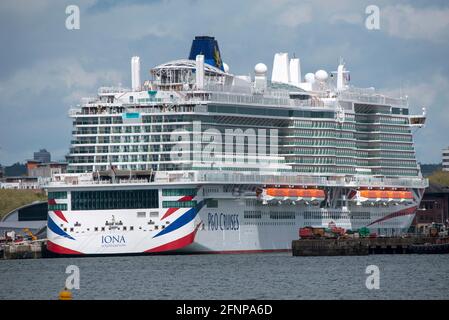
(29, 233)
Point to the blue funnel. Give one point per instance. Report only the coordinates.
(208, 47)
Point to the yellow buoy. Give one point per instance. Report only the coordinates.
(65, 295)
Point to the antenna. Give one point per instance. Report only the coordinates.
(135, 73)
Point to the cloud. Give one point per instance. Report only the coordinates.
(140, 24)
(65, 75)
(433, 94)
(350, 18)
(408, 22)
(34, 103)
(24, 8)
(45, 67)
(293, 16)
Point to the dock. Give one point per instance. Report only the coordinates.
(366, 246)
(23, 250)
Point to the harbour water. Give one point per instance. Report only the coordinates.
(244, 276)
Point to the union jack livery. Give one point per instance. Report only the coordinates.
(198, 159)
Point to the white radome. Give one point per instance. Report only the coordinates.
(309, 77)
(260, 69)
(321, 75)
(225, 67)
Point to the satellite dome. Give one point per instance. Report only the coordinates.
(309, 77)
(260, 69)
(321, 75)
(225, 67)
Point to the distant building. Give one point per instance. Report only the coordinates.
(446, 159)
(31, 165)
(434, 208)
(45, 170)
(1, 171)
(22, 182)
(42, 156)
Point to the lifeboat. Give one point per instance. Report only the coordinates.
(292, 195)
(382, 194)
(298, 193)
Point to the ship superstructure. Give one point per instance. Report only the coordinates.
(200, 159)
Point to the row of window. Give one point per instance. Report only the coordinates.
(179, 204)
(321, 134)
(318, 215)
(114, 199)
(280, 215)
(252, 214)
(269, 223)
(59, 206)
(276, 215)
(278, 112)
(124, 228)
(57, 195)
(179, 192)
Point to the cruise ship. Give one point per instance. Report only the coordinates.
(200, 160)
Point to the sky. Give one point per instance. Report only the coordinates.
(46, 68)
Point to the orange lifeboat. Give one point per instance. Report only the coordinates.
(295, 193)
(382, 194)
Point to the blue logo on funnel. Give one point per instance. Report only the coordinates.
(208, 47)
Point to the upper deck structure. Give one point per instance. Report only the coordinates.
(195, 118)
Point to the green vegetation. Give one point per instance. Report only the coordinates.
(440, 177)
(17, 169)
(429, 169)
(11, 199)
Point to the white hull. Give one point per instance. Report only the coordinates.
(232, 226)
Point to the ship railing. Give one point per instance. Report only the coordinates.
(255, 178)
(247, 99)
(74, 111)
(368, 95)
(261, 178)
(103, 90)
(76, 182)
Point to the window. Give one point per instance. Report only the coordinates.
(178, 204)
(212, 203)
(141, 214)
(179, 192)
(114, 199)
(57, 195)
(282, 215)
(154, 214)
(59, 206)
(257, 214)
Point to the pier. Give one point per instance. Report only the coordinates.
(366, 246)
(23, 250)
